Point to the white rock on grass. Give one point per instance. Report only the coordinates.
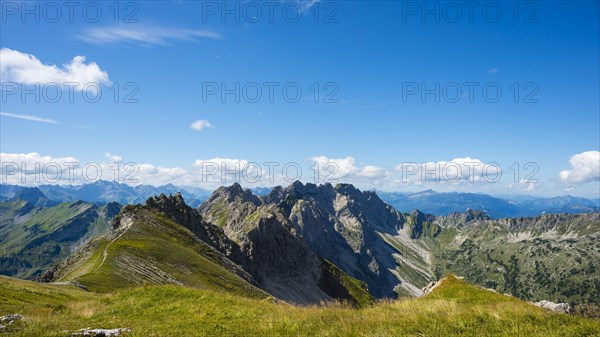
(564, 308)
(10, 318)
(100, 332)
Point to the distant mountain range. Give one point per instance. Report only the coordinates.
(103, 192)
(430, 202)
(439, 204)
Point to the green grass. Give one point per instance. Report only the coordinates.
(453, 309)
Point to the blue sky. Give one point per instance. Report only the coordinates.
(368, 53)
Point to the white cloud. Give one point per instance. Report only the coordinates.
(29, 118)
(112, 157)
(29, 159)
(585, 168)
(149, 174)
(33, 169)
(219, 171)
(28, 69)
(346, 168)
(493, 70)
(200, 125)
(21, 168)
(458, 170)
(143, 34)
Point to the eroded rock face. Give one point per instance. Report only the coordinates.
(282, 263)
(340, 224)
(276, 252)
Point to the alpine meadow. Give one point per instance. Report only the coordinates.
(299, 168)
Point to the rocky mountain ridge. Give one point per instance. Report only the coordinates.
(266, 256)
(398, 253)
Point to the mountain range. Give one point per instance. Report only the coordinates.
(439, 203)
(431, 202)
(302, 244)
(102, 192)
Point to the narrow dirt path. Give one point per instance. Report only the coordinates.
(105, 252)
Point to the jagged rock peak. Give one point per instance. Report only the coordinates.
(233, 193)
(469, 215)
(476, 215)
(300, 188)
(417, 214)
(163, 202)
(347, 189)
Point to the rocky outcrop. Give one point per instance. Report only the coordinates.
(101, 332)
(563, 308)
(341, 224)
(283, 264)
(8, 320)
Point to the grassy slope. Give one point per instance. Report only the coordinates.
(46, 235)
(455, 308)
(155, 250)
(45, 222)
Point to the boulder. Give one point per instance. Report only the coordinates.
(101, 332)
(8, 319)
(563, 308)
